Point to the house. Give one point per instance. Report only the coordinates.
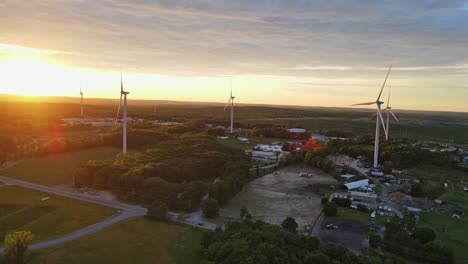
(298, 133)
(347, 177)
(357, 184)
(364, 197)
(243, 140)
(297, 130)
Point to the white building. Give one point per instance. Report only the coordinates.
(268, 148)
(297, 130)
(357, 184)
(320, 138)
(263, 156)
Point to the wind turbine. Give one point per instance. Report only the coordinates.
(388, 109)
(379, 119)
(81, 102)
(231, 100)
(124, 125)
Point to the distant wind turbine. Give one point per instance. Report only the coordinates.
(379, 119)
(124, 125)
(388, 109)
(81, 102)
(231, 100)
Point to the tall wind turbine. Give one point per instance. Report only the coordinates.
(124, 125)
(379, 119)
(231, 100)
(388, 109)
(81, 102)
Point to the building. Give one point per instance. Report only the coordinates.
(412, 210)
(264, 156)
(243, 140)
(297, 130)
(364, 197)
(347, 177)
(268, 148)
(320, 138)
(357, 184)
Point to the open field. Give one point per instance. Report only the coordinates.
(450, 231)
(135, 241)
(283, 193)
(439, 174)
(22, 209)
(56, 169)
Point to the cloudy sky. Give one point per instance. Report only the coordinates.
(298, 52)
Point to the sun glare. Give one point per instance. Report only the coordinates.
(27, 72)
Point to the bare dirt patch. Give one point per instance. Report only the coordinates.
(283, 193)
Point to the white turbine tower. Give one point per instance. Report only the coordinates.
(231, 100)
(379, 118)
(388, 109)
(81, 102)
(124, 125)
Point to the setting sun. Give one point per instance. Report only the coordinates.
(30, 72)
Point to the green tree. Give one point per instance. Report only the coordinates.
(290, 224)
(210, 208)
(245, 214)
(330, 209)
(375, 241)
(16, 245)
(158, 210)
(424, 235)
(324, 200)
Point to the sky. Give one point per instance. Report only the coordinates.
(288, 52)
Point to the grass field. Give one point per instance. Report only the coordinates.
(363, 217)
(450, 231)
(438, 174)
(56, 169)
(134, 241)
(22, 209)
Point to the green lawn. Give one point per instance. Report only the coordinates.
(135, 241)
(437, 174)
(22, 209)
(356, 215)
(56, 169)
(450, 231)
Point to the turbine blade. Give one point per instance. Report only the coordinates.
(121, 83)
(369, 103)
(383, 86)
(389, 92)
(382, 120)
(394, 116)
(227, 104)
(118, 110)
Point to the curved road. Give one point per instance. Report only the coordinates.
(125, 211)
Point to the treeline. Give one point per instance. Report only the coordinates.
(392, 153)
(404, 238)
(235, 175)
(256, 242)
(178, 172)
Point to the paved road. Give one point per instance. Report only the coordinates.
(125, 211)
